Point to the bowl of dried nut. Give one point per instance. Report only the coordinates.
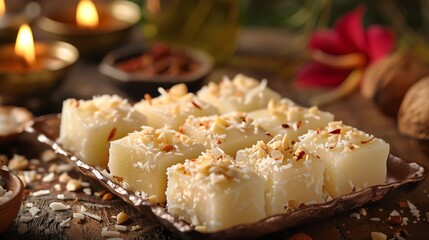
(138, 70)
(11, 190)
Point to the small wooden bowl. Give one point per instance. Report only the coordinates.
(23, 118)
(9, 210)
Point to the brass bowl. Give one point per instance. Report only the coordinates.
(135, 85)
(20, 118)
(18, 12)
(9, 209)
(117, 18)
(20, 87)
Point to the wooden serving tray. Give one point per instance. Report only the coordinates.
(399, 173)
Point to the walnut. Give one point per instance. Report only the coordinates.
(413, 116)
(387, 81)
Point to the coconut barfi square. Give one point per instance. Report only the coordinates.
(88, 126)
(354, 159)
(293, 175)
(213, 193)
(142, 158)
(284, 116)
(230, 131)
(172, 107)
(242, 93)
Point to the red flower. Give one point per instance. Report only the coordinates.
(348, 47)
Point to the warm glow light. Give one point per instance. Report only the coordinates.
(24, 46)
(86, 15)
(2, 7)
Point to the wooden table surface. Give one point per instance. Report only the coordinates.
(85, 81)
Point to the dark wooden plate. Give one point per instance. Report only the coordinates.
(399, 174)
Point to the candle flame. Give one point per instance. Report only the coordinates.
(86, 15)
(24, 46)
(2, 7)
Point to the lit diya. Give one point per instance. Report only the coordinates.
(13, 13)
(93, 27)
(29, 71)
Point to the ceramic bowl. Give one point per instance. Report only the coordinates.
(9, 209)
(135, 85)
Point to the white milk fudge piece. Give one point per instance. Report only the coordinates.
(172, 107)
(142, 158)
(284, 116)
(230, 131)
(293, 175)
(214, 193)
(87, 127)
(242, 94)
(354, 159)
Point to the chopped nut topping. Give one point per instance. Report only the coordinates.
(100, 193)
(107, 196)
(121, 218)
(335, 131)
(148, 98)
(111, 134)
(167, 148)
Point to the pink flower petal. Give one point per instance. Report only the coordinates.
(350, 28)
(380, 42)
(318, 75)
(330, 42)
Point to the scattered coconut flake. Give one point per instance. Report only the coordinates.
(22, 228)
(64, 177)
(61, 196)
(49, 177)
(121, 228)
(113, 217)
(34, 211)
(83, 209)
(25, 219)
(93, 216)
(29, 204)
(411, 205)
(48, 155)
(375, 219)
(41, 193)
(57, 187)
(64, 168)
(53, 168)
(18, 162)
(87, 191)
(78, 216)
(378, 236)
(363, 212)
(394, 213)
(57, 206)
(73, 185)
(110, 234)
(136, 228)
(65, 223)
(355, 215)
(85, 184)
(404, 221)
(121, 218)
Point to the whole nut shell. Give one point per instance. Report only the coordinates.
(413, 116)
(388, 80)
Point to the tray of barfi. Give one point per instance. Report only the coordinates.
(234, 160)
